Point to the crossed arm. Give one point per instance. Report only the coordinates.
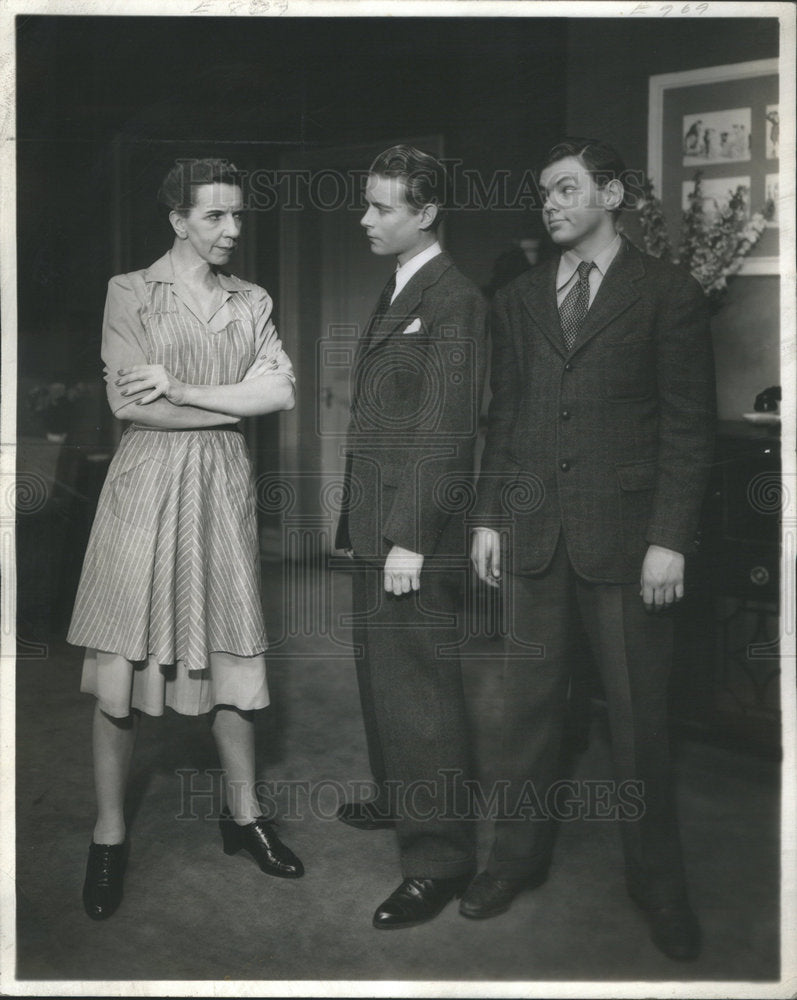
(167, 397)
(151, 395)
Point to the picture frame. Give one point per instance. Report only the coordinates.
(724, 122)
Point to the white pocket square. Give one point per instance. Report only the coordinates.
(414, 326)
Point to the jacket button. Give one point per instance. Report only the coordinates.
(564, 466)
(568, 367)
(565, 414)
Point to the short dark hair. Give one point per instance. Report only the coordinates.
(177, 189)
(602, 161)
(425, 178)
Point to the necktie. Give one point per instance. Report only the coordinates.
(576, 303)
(383, 304)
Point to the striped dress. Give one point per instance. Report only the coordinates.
(168, 604)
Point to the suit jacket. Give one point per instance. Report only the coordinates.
(611, 443)
(416, 394)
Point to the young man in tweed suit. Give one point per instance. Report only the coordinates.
(603, 391)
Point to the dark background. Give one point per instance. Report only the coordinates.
(499, 91)
(494, 88)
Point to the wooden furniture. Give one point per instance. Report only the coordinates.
(726, 679)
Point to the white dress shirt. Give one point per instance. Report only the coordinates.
(567, 276)
(406, 270)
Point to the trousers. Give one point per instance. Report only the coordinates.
(410, 683)
(633, 650)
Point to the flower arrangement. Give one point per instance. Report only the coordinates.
(712, 244)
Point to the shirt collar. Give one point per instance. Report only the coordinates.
(406, 270)
(163, 270)
(570, 260)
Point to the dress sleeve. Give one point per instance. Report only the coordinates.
(123, 338)
(270, 359)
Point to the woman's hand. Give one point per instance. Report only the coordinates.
(265, 393)
(154, 377)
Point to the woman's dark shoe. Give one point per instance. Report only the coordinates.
(259, 838)
(102, 889)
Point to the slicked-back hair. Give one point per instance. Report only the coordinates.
(602, 161)
(425, 178)
(177, 189)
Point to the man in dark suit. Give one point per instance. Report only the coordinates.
(603, 395)
(415, 404)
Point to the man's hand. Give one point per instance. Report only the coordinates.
(402, 570)
(485, 554)
(662, 582)
(154, 377)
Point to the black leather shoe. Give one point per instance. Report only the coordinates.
(259, 838)
(674, 929)
(487, 896)
(365, 816)
(102, 889)
(417, 900)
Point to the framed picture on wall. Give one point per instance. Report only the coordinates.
(724, 122)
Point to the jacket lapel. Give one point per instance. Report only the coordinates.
(616, 293)
(406, 303)
(540, 302)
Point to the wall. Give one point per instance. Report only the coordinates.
(620, 55)
(499, 90)
(493, 88)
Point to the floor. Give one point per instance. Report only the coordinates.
(190, 913)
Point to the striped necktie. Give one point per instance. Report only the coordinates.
(576, 303)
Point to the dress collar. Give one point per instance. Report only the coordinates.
(163, 270)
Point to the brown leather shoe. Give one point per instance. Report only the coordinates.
(487, 896)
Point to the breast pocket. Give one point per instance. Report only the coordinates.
(165, 354)
(160, 337)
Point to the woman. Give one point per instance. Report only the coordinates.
(169, 599)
